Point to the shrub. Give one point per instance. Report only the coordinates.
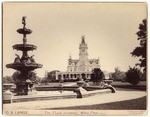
(133, 76)
(118, 75)
(8, 79)
(97, 76)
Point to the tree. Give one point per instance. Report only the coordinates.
(133, 76)
(140, 51)
(44, 80)
(8, 79)
(33, 77)
(97, 75)
(18, 77)
(118, 75)
(51, 76)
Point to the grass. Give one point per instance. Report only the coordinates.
(141, 86)
(134, 104)
(141, 83)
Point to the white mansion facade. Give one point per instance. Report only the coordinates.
(79, 68)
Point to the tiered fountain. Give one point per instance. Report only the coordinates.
(26, 63)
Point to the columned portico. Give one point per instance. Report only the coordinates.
(73, 75)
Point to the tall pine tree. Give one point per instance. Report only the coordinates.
(140, 51)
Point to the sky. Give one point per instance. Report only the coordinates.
(109, 29)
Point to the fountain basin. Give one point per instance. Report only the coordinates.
(24, 66)
(54, 95)
(66, 88)
(24, 31)
(24, 47)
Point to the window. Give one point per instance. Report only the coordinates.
(74, 68)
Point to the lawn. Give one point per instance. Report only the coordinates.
(126, 85)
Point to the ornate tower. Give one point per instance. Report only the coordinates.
(83, 54)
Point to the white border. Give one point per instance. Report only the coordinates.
(148, 1)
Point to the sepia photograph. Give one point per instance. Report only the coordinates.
(74, 58)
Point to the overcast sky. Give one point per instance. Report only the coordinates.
(109, 30)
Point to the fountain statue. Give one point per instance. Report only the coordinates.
(24, 64)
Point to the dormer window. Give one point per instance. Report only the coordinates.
(69, 62)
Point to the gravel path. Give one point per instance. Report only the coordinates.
(133, 104)
(120, 95)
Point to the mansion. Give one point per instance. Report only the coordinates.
(79, 68)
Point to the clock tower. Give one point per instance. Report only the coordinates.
(83, 65)
(83, 54)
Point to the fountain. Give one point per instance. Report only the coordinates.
(26, 63)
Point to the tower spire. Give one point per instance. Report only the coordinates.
(83, 49)
(83, 37)
(70, 56)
